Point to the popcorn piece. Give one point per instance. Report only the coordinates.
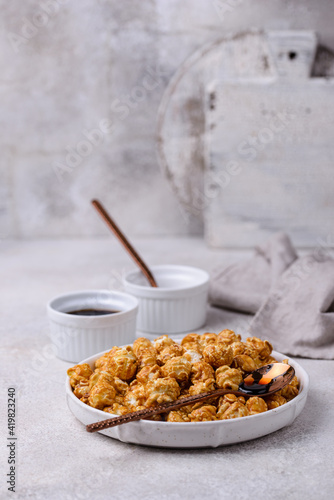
(162, 390)
(202, 386)
(102, 394)
(102, 376)
(294, 382)
(81, 390)
(193, 356)
(163, 341)
(79, 373)
(204, 414)
(169, 352)
(103, 362)
(123, 363)
(242, 348)
(191, 338)
(274, 401)
(99, 375)
(177, 416)
(236, 410)
(262, 347)
(120, 386)
(156, 418)
(178, 368)
(226, 401)
(206, 339)
(148, 373)
(117, 409)
(191, 342)
(228, 337)
(135, 397)
(256, 405)
(201, 371)
(140, 344)
(218, 355)
(228, 378)
(245, 363)
(289, 392)
(147, 357)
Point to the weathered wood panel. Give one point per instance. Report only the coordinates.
(271, 152)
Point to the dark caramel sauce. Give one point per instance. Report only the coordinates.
(266, 379)
(91, 312)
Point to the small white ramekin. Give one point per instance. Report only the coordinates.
(76, 337)
(178, 305)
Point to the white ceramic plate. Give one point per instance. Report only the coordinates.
(196, 434)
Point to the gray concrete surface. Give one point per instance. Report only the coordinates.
(58, 459)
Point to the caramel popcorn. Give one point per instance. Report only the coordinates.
(81, 390)
(263, 348)
(201, 371)
(228, 378)
(245, 363)
(202, 386)
(206, 339)
(178, 368)
(169, 352)
(193, 355)
(228, 337)
(256, 405)
(101, 395)
(225, 402)
(177, 416)
(275, 400)
(117, 409)
(127, 379)
(140, 344)
(236, 410)
(148, 373)
(79, 373)
(103, 362)
(191, 338)
(203, 414)
(218, 355)
(135, 397)
(289, 392)
(162, 390)
(147, 357)
(161, 342)
(123, 363)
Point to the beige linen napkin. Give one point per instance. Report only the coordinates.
(245, 286)
(295, 309)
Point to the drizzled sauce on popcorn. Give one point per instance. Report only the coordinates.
(92, 312)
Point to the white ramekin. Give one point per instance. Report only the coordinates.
(179, 303)
(77, 337)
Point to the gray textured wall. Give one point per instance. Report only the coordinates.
(81, 83)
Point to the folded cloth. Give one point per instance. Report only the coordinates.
(245, 286)
(297, 310)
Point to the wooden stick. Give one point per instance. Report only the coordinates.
(125, 242)
(155, 410)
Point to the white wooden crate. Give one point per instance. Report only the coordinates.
(270, 151)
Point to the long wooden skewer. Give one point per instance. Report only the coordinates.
(155, 410)
(125, 242)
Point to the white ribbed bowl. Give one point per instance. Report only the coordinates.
(179, 303)
(78, 337)
(196, 434)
